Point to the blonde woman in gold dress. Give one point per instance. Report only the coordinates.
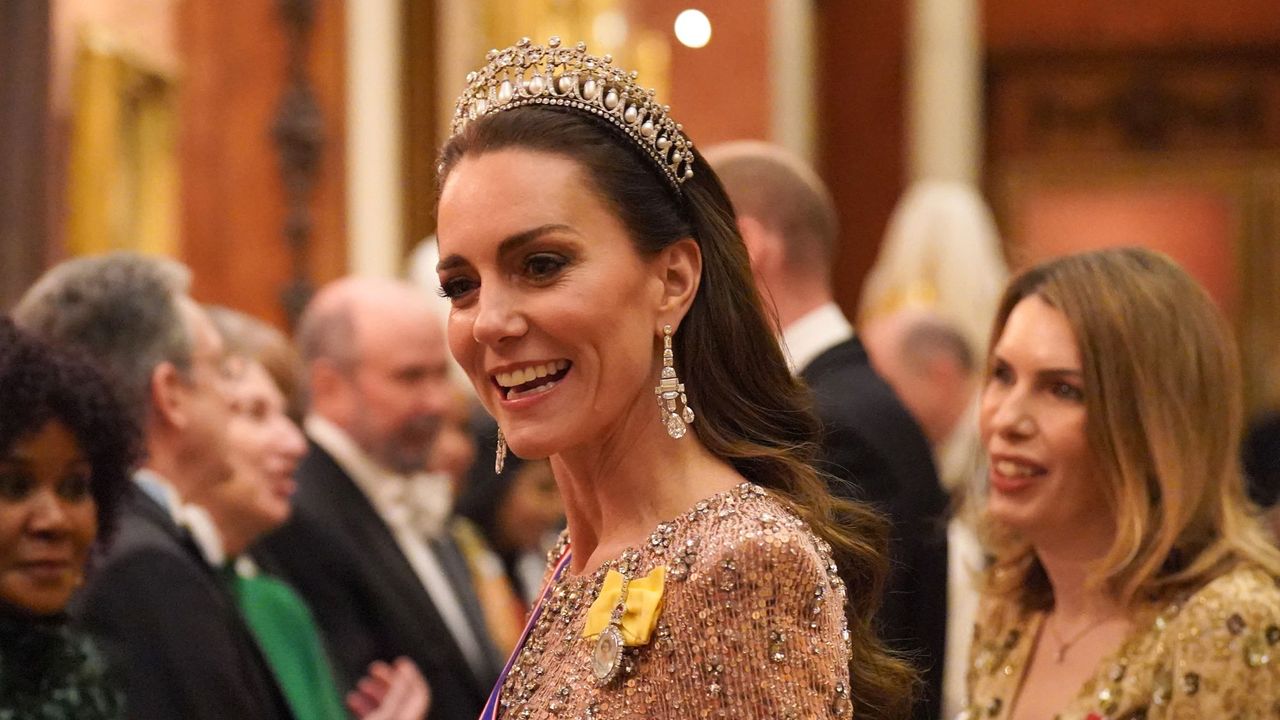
(1131, 580)
(603, 307)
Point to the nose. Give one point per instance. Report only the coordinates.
(49, 515)
(498, 317)
(1011, 417)
(292, 443)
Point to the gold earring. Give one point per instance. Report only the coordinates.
(500, 458)
(669, 390)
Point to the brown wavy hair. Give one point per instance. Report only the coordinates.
(1164, 415)
(752, 411)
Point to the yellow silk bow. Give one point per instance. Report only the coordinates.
(644, 604)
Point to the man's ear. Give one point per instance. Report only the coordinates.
(760, 247)
(679, 266)
(168, 394)
(326, 385)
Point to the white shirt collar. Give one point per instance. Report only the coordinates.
(415, 509)
(814, 333)
(194, 518)
(422, 500)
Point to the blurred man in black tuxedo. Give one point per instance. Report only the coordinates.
(871, 442)
(367, 545)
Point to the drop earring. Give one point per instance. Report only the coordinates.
(670, 392)
(500, 457)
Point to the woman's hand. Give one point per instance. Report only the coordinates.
(391, 692)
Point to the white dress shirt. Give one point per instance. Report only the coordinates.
(194, 518)
(399, 501)
(814, 333)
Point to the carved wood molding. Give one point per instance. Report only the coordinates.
(298, 132)
(1135, 100)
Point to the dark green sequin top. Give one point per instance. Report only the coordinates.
(50, 672)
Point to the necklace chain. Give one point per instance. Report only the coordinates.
(1064, 646)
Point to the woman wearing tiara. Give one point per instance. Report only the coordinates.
(603, 308)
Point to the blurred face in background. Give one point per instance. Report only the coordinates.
(206, 401)
(48, 519)
(264, 448)
(531, 509)
(454, 449)
(400, 387)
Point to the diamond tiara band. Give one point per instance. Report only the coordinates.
(531, 74)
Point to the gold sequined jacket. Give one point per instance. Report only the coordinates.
(1213, 654)
(752, 626)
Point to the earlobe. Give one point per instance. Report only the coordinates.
(681, 273)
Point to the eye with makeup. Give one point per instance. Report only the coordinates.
(15, 481)
(75, 485)
(1064, 390)
(544, 266)
(538, 268)
(1000, 372)
(456, 288)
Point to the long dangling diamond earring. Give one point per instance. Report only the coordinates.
(669, 390)
(500, 457)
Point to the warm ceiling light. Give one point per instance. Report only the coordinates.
(693, 29)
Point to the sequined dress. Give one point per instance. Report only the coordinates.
(1213, 654)
(752, 625)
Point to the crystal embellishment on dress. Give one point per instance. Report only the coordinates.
(670, 392)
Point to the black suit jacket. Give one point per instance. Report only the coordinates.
(873, 444)
(170, 627)
(368, 601)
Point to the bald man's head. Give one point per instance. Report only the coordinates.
(782, 193)
(377, 366)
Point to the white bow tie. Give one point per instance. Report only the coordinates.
(421, 502)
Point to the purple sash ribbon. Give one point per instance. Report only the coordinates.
(491, 707)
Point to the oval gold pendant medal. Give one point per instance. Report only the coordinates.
(606, 657)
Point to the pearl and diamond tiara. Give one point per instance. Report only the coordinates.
(531, 74)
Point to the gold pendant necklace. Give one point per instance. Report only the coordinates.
(1064, 646)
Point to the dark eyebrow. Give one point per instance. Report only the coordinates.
(510, 244)
(1046, 372)
(1060, 372)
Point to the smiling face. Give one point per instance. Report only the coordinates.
(1045, 479)
(207, 404)
(265, 447)
(48, 519)
(555, 314)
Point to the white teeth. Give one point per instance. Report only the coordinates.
(523, 375)
(512, 395)
(1011, 468)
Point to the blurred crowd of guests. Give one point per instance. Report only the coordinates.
(202, 518)
(276, 524)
